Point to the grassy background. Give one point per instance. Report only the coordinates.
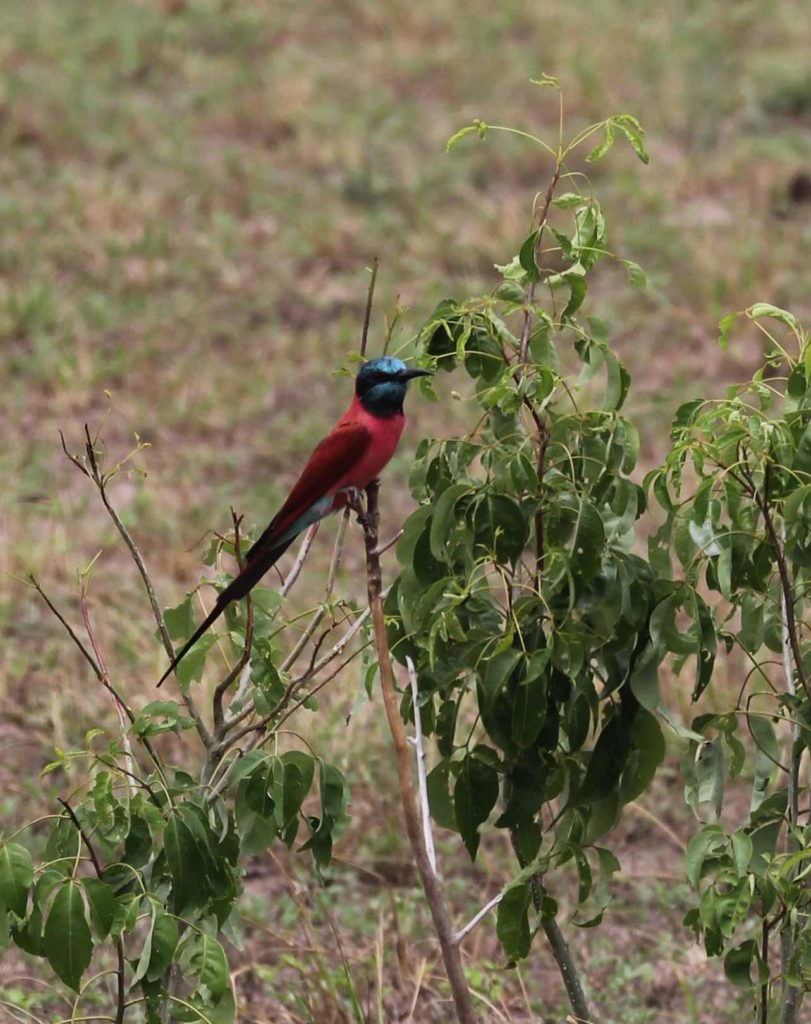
(189, 195)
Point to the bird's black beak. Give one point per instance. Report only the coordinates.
(412, 372)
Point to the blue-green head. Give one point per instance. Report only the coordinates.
(381, 385)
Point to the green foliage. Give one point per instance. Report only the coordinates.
(530, 619)
(735, 491)
(149, 859)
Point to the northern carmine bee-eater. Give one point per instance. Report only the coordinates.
(350, 457)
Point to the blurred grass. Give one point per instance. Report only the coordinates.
(189, 195)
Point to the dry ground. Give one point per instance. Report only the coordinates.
(189, 195)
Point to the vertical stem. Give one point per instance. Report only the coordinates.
(790, 995)
(559, 946)
(451, 954)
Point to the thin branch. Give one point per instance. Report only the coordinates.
(303, 551)
(245, 656)
(383, 548)
(790, 995)
(117, 704)
(32, 580)
(100, 481)
(785, 580)
(367, 316)
(433, 891)
(119, 942)
(524, 346)
(494, 902)
(335, 562)
(557, 943)
(422, 789)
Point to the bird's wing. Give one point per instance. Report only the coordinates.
(332, 458)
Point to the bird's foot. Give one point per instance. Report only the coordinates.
(354, 500)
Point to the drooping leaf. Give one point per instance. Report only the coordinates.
(16, 876)
(66, 941)
(474, 796)
(512, 921)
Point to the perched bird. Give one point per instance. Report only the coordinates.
(350, 457)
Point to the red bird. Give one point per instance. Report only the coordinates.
(350, 456)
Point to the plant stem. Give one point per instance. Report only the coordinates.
(119, 942)
(433, 893)
(557, 943)
(790, 996)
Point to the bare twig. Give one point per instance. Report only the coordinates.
(494, 902)
(99, 479)
(97, 671)
(303, 551)
(790, 995)
(117, 704)
(119, 942)
(335, 561)
(364, 334)
(422, 789)
(433, 891)
(383, 548)
(245, 656)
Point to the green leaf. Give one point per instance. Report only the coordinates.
(526, 256)
(512, 921)
(16, 876)
(102, 902)
(67, 943)
(209, 963)
(469, 129)
(499, 526)
(632, 130)
(738, 965)
(709, 841)
(439, 797)
(568, 200)
(474, 796)
(761, 309)
(602, 148)
(497, 672)
(443, 519)
(185, 867)
(165, 937)
(636, 275)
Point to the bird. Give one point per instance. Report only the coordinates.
(347, 460)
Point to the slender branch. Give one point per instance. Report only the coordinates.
(367, 316)
(494, 902)
(117, 704)
(101, 676)
(557, 943)
(303, 551)
(245, 656)
(383, 548)
(422, 789)
(334, 565)
(100, 481)
(785, 579)
(433, 891)
(764, 988)
(790, 995)
(119, 942)
(522, 352)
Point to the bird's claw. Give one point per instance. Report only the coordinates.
(355, 502)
